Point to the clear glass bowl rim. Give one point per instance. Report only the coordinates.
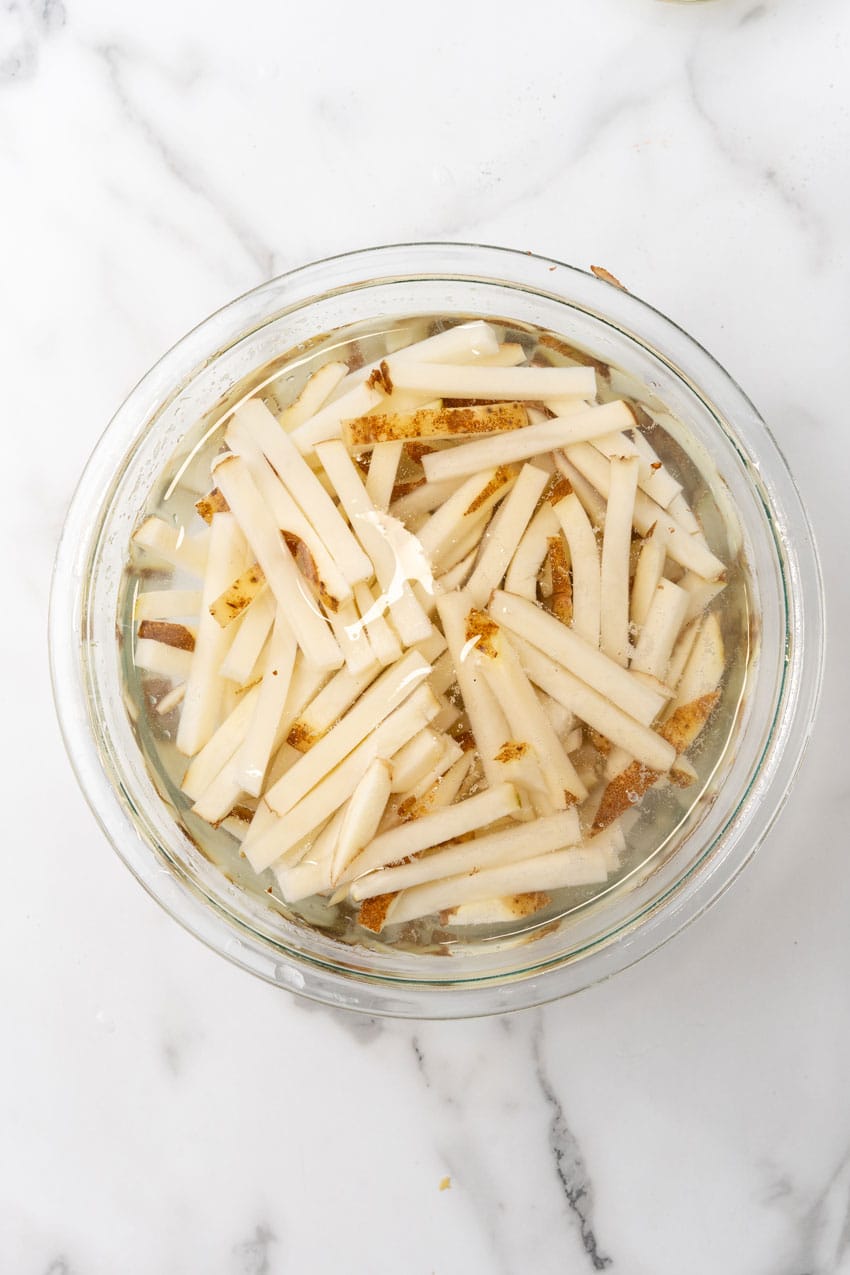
(759, 806)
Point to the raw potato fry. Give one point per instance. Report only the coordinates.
(329, 705)
(662, 625)
(561, 431)
(382, 697)
(383, 642)
(591, 707)
(521, 383)
(586, 569)
(238, 596)
(511, 907)
(307, 491)
(362, 816)
(655, 478)
(383, 468)
(157, 657)
(254, 755)
(485, 716)
(505, 532)
(313, 396)
(456, 576)
(418, 757)
(254, 628)
(430, 424)
(423, 498)
(385, 551)
(351, 635)
(166, 604)
(681, 546)
(369, 870)
(548, 872)
(561, 597)
(464, 343)
(202, 702)
(500, 848)
(337, 785)
(220, 747)
(171, 699)
(291, 593)
(700, 593)
(522, 574)
(314, 560)
(327, 423)
(497, 660)
(509, 354)
(168, 633)
(589, 498)
(446, 528)
(212, 503)
(439, 789)
(616, 549)
(648, 573)
(186, 553)
(312, 874)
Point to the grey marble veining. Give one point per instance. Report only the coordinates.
(161, 1111)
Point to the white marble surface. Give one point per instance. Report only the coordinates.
(161, 1111)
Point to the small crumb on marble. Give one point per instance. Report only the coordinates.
(445, 1184)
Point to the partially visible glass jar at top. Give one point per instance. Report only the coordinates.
(436, 632)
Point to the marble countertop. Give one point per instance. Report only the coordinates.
(161, 1111)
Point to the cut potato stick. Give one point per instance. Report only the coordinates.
(394, 557)
(383, 468)
(509, 909)
(564, 645)
(350, 633)
(682, 652)
(327, 423)
(506, 529)
(337, 785)
(362, 815)
(648, 573)
(446, 527)
(437, 790)
(423, 499)
(166, 604)
(249, 639)
(202, 702)
(594, 709)
(384, 643)
(616, 550)
(306, 489)
(220, 747)
(382, 697)
(211, 504)
(158, 657)
(589, 498)
(171, 699)
(253, 757)
(250, 424)
(416, 760)
(433, 830)
(313, 396)
(311, 873)
(168, 633)
(238, 596)
(561, 431)
(468, 543)
(498, 662)
(684, 515)
(704, 669)
(504, 846)
(468, 381)
(285, 581)
(172, 545)
(655, 478)
(442, 423)
(662, 625)
(681, 546)
(509, 354)
(522, 574)
(465, 343)
(562, 720)
(700, 593)
(564, 868)
(486, 718)
(456, 575)
(586, 569)
(329, 705)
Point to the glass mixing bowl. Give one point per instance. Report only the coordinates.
(462, 280)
